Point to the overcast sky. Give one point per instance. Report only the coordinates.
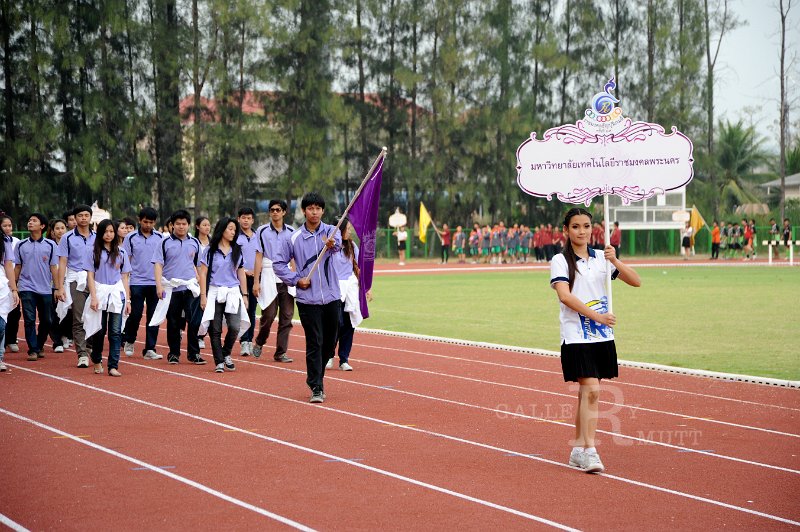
(748, 68)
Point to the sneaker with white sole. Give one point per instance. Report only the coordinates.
(66, 342)
(83, 362)
(59, 349)
(576, 459)
(592, 463)
(14, 348)
(152, 355)
(3, 366)
(255, 350)
(317, 397)
(245, 349)
(229, 365)
(329, 365)
(220, 368)
(129, 347)
(344, 366)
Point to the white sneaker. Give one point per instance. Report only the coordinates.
(83, 362)
(59, 349)
(576, 459)
(329, 365)
(14, 348)
(66, 342)
(201, 343)
(245, 349)
(220, 368)
(2, 366)
(345, 367)
(152, 355)
(229, 365)
(592, 463)
(128, 349)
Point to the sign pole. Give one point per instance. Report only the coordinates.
(607, 242)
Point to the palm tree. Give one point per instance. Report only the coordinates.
(738, 153)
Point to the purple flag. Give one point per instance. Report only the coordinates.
(364, 217)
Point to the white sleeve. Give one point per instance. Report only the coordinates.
(559, 271)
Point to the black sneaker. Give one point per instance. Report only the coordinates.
(229, 365)
(172, 359)
(283, 358)
(198, 361)
(317, 397)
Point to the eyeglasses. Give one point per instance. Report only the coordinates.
(275, 209)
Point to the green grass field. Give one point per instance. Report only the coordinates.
(737, 320)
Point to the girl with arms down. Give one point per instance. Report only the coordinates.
(588, 354)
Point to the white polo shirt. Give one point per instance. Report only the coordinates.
(590, 288)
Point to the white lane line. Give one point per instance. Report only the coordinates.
(295, 446)
(13, 525)
(525, 368)
(156, 469)
(572, 397)
(449, 438)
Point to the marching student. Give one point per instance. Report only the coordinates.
(460, 245)
(202, 230)
(35, 268)
(273, 295)
(175, 264)
(248, 242)
(588, 353)
(345, 264)
(223, 291)
(108, 272)
(60, 331)
(12, 324)
(318, 294)
(73, 252)
(140, 246)
(8, 291)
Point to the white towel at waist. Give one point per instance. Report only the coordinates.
(234, 303)
(111, 298)
(269, 282)
(160, 314)
(6, 303)
(352, 305)
(73, 276)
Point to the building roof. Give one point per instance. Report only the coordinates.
(790, 180)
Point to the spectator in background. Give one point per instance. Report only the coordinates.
(754, 238)
(715, 240)
(445, 237)
(616, 239)
(775, 235)
(724, 238)
(402, 236)
(686, 240)
(735, 240)
(787, 235)
(547, 242)
(747, 239)
(460, 244)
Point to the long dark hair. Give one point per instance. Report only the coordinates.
(568, 252)
(348, 248)
(100, 244)
(216, 237)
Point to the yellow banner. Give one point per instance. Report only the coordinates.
(424, 222)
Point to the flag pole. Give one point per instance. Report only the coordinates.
(382, 155)
(607, 242)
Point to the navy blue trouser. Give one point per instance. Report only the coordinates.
(31, 304)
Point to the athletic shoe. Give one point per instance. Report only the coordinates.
(152, 355)
(129, 349)
(14, 348)
(32, 357)
(66, 342)
(83, 362)
(59, 349)
(255, 349)
(220, 368)
(172, 359)
(229, 365)
(329, 365)
(592, 463)
(198, 361)
(201, 343)
(344, 366)
(576, 459)
(3, 366)
(245, 349)
(283, 358)
(317, 397)
(40, 354)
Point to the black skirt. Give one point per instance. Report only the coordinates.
(597, 360)
(686, 242)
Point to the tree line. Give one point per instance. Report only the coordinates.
(214, 104)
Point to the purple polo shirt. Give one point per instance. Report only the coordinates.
(109, 272)
(140, 250)
(342, 264)
(222, 271)
(268, 238)
(249, 246)
(35, 258)
(179, 258)
(304, 246)
(76, 248)
(8, 252)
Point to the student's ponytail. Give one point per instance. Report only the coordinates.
(568, 252)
